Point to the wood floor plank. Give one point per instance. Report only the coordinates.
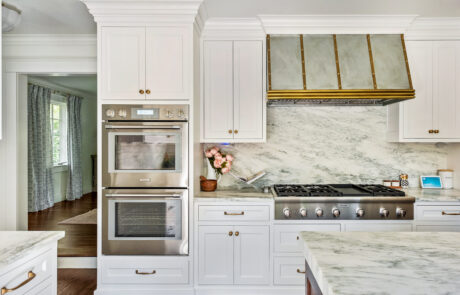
(76, 281)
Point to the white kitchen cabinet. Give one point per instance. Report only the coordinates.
(233, 255)
(438, 217)
(434, 114)
(152, 63)
(233, 101)
(379, 226)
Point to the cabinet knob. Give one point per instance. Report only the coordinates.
(236, 131)
(237, 233)
(230, 233)
(141, 91)
(147, 91)
(230, 131)
(431, 131)
(436, 131)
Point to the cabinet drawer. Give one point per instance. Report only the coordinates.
(44, 288)
(377, 227)
(287, 236)
(40, 268)
(234, 213)
(441, 213)
(438, 228)
(144, 271)
(289, 270)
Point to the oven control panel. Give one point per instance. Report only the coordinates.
(121, 112)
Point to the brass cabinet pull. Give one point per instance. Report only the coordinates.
(230, 233)
(298, 238)
(436, 131)
(147, 91)
(237, 233)
(236, 131)
(141, 91)
(445, 213)
(230, 131)
(226, 213)
(299, 271)
(31, 275)
(145, 273)
(431, 131)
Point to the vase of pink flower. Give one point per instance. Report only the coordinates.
(218, 162)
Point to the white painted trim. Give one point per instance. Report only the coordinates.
(201, 18)
(337, 24)
(233, 29)
(46, 83)
(434, 28)
(77, 262)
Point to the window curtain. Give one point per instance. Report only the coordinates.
(74, 182)
(40, 151)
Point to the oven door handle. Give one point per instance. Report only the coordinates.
(142, 127)
(157, 196)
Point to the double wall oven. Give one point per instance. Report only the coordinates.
(145, 180)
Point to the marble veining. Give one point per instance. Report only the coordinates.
(18, 244)
(331, 145)
(434, 195)
(379, 263)
(234, 196)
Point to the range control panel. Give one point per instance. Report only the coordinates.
(144, 112)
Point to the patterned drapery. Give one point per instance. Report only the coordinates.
(74, 183)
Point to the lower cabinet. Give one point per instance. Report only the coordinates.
(233, 255)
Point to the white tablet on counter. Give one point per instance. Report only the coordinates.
(431, 181)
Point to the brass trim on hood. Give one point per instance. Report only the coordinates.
(337, 63)
(407, 61)
(302, 54)
(269, 68)
(371, 59)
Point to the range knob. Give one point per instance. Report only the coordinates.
(303, 212)
(110, 113)
(181, 114)
(401, 212)
(287, 212)
(319, 212)
(122, 113)
(169, 114)
(384, 212)
(359, 212)
(336, 212)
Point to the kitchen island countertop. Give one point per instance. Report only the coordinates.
(396, 263)
(234, 195)
(433, 195)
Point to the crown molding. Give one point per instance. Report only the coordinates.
(434, 28)
(143, 11)
(233, 28)
(337, 24)
(201, 18)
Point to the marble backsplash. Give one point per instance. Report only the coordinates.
(330, 145)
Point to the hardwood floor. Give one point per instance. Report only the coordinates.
(80, 240)
(76, 281)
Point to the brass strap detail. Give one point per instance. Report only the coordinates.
(337, 64)
(302, 53)
(269, 68)
(145, 273)
(371, 59)
(226, 213)
(445, 213)
(300, 271)
(30, 276)
(403, 43)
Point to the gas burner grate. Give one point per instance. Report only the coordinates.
(381, 190)
(290, 190)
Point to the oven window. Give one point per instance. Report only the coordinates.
(148, 220)
(146, 152)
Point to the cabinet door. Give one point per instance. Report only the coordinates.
(418, 112)
(248, 93)
(218, 90)
(446, 96)
(215, 255)
(168, 63)
(122, 63)
(252, 255)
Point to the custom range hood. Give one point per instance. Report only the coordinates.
(337, 69)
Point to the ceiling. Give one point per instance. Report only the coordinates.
(79, 83)
(72, 17)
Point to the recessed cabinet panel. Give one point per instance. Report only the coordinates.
(218, 90)
(167, 63)
(122, 63)
(248, 89)
(418, 112)
(320, 66)
(286, 62)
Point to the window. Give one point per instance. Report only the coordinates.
(58, 113)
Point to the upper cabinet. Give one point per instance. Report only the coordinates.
(233, 99)
(152, 63)
(434, 114)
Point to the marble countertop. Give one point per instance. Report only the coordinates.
(18, 244)
(396, 263)
(434, 195)
(235, 195)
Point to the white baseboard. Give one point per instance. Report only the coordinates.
(77, 262)
(100, 291)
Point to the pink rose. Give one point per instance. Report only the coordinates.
(217, 163)
(218, 156)
(225, 170)
(229, 158)
(208, 154)
(213, 151)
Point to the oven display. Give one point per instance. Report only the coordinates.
(146, 114)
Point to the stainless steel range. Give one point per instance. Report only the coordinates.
(341, 202)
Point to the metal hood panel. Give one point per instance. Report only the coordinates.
(338, 69)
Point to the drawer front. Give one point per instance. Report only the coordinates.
(377, 227)
(441, 213)
(31, 274)
(143, 271)
(289, 270)
(438, 228)
(287, 236)
(44, 288)
(234, 213)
